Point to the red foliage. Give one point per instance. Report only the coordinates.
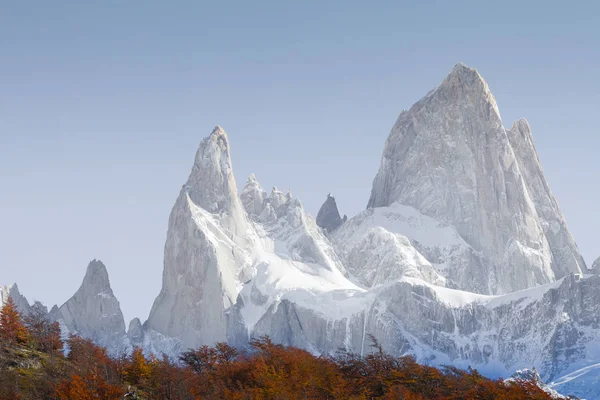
(90, 386)
(266, 371)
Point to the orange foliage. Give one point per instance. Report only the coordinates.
(90, 386)
(12, 329)
(266, 371)
(137, 369)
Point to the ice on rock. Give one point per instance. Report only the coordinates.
(532, 375)
(375, 250)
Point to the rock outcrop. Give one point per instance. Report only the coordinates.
(328, 216)
(94, 312)
(20, 301)
(595, 267)
(135, 332)
(565, 254)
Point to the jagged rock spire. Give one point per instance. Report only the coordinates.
(211, 184)
(20, 301)
(566, 258)
(328, 216)
(96, 276)
(204, 251)
(94, 311)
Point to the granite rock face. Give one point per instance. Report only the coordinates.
(94, 312)
(204, 258)
(596, 267)
(20, 301)
(328, 216)
(135, 332)
(565, 254)
(450, 158)
(553, 328)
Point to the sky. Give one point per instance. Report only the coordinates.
(103, 105)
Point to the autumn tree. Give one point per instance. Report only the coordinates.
(12, 329)
(45, 334)
(87, 387)
(91, 364)
(137, 369)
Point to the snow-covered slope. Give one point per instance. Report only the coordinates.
(375, 247)
(584, 382)
(532, 375)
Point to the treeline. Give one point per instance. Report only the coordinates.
(33, 366)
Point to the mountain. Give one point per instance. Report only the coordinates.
(20, 301)
(565, 254)
(224, 250)
(596, 267)
(205, 261)
(94, 312)
(450, 158)
(461, 257)
(328, 216)
(446, 262)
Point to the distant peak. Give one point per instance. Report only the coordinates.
(134, 324)
(218, 131)
(14, 287)
(328, 216)
(521, 125)
(12, 290)
(96, 275)
(252, 183)
(464, 76)
(462, 67)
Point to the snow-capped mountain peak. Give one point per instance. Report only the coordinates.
(462, 256)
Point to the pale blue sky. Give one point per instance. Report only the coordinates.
(102, 107)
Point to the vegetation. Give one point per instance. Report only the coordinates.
(33, 366)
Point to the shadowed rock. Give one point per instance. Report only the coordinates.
(328, 216)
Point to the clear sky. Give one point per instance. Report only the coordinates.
(103, 105)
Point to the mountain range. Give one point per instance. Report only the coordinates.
(461, 256)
